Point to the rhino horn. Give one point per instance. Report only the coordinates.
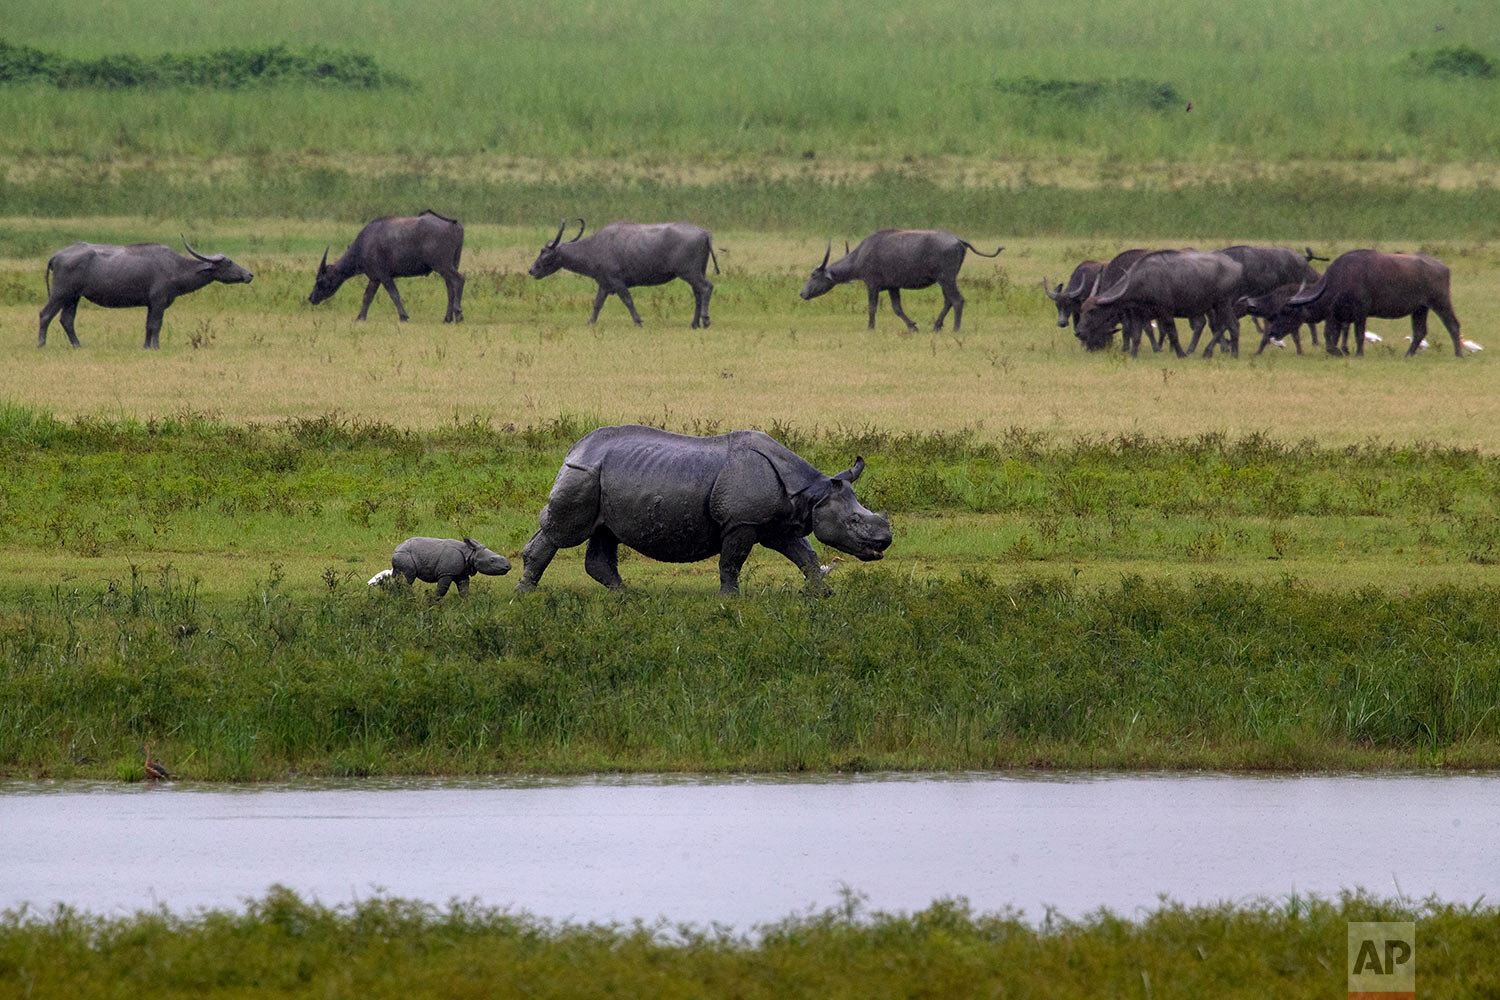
(1054, 296)
(852, 473)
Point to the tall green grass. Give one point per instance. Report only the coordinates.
(384, 947)
(889, 672)
(1294, 79)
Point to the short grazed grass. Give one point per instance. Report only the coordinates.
(525, 354)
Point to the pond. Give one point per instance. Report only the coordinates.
(746, 850)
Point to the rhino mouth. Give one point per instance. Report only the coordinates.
(870, 555)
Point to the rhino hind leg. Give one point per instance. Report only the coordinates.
(602, 558)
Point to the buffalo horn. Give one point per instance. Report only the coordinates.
(580, 232)
(1054, 296)
(826, 254)
(324, 265)
(207, 260)
(558, 238)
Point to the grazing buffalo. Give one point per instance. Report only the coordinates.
(893, 259)
(680, 499)
(625, 255)
(443, 561)
(399, 247)
(142, 274)
(1365, 283)
(1281, 319)
(1070, 298)
(1163, 285)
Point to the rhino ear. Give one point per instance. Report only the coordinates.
(472, 544)
(852, 473)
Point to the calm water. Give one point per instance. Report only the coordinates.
(750, 850)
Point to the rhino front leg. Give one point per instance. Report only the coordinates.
(442, 586)
(736, 549)
(801, 553)
(534, 559)
(601, 559)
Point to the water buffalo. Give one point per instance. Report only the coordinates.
(677, 498)
(142, 274)
(1281, 320)
(399, 247)
(1365, 283)
(625, 255)
(443, 561)
(1070, 298)
(893, 259)
(1165, 284)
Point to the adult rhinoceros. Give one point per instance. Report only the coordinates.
(677, 498)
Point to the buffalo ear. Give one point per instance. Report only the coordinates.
(849, 475)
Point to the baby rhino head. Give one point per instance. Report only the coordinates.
(840, 520)
(485, 561)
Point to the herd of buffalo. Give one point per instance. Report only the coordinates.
(1139, 292)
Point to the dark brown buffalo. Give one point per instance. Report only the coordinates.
(1365, 283)
(1163, 285)
(1281, 319)
(1080, 285)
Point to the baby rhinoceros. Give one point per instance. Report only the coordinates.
(677, 498)
(443, 561)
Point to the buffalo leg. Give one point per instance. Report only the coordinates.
(390, 289)
(601, 559)
(896, 308)
(1450, 323)
(732, 555)
(69, 310)
(364, 306)
(1313, 329)
(599, 298)
(1169, 332)
(801, 553)
(1196, 324)
(625, 297)
(1359, 331)
(50, 310)
(153, 326)
(702, 289)
(874, 304)
(952, 299)
(455, 284)
(535, 557)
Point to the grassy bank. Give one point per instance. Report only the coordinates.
(388, 947)
(328, 497)
(887, 673)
